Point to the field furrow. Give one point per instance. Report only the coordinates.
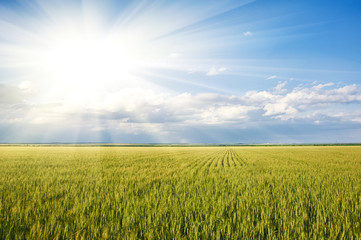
(202, 164)
(235, 162)
(238, 158)
(213, 162)
(228, 159)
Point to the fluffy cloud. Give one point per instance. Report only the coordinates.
(280, 87)
(138, 111)
(215, 71)
(304, 102)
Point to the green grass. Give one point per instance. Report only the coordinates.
(180, 193)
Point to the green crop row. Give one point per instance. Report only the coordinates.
(180, 193)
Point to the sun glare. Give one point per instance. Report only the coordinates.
(87, 61)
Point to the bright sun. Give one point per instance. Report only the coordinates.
(91, 59)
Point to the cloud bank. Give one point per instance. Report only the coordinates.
(138, 112)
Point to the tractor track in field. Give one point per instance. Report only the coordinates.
(241, 161)
(201, 162)
(193, 164)
(223, 159)
(207, 164)
(234, 161)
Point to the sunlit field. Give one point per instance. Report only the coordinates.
(180, 192)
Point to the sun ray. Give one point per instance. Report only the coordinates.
(94, 64)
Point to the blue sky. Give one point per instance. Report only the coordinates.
(180, 71)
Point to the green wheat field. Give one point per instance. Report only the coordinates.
(90, 192)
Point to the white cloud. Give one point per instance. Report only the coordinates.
(307, 102)
(279, 108)
(224, 114)
(271, 77)
(319, 86)
(134, 108)
(212, 72)
(280, 87)
(259, 98)
(215, 71)
(247, 34)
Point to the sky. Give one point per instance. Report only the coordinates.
(164, 71)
